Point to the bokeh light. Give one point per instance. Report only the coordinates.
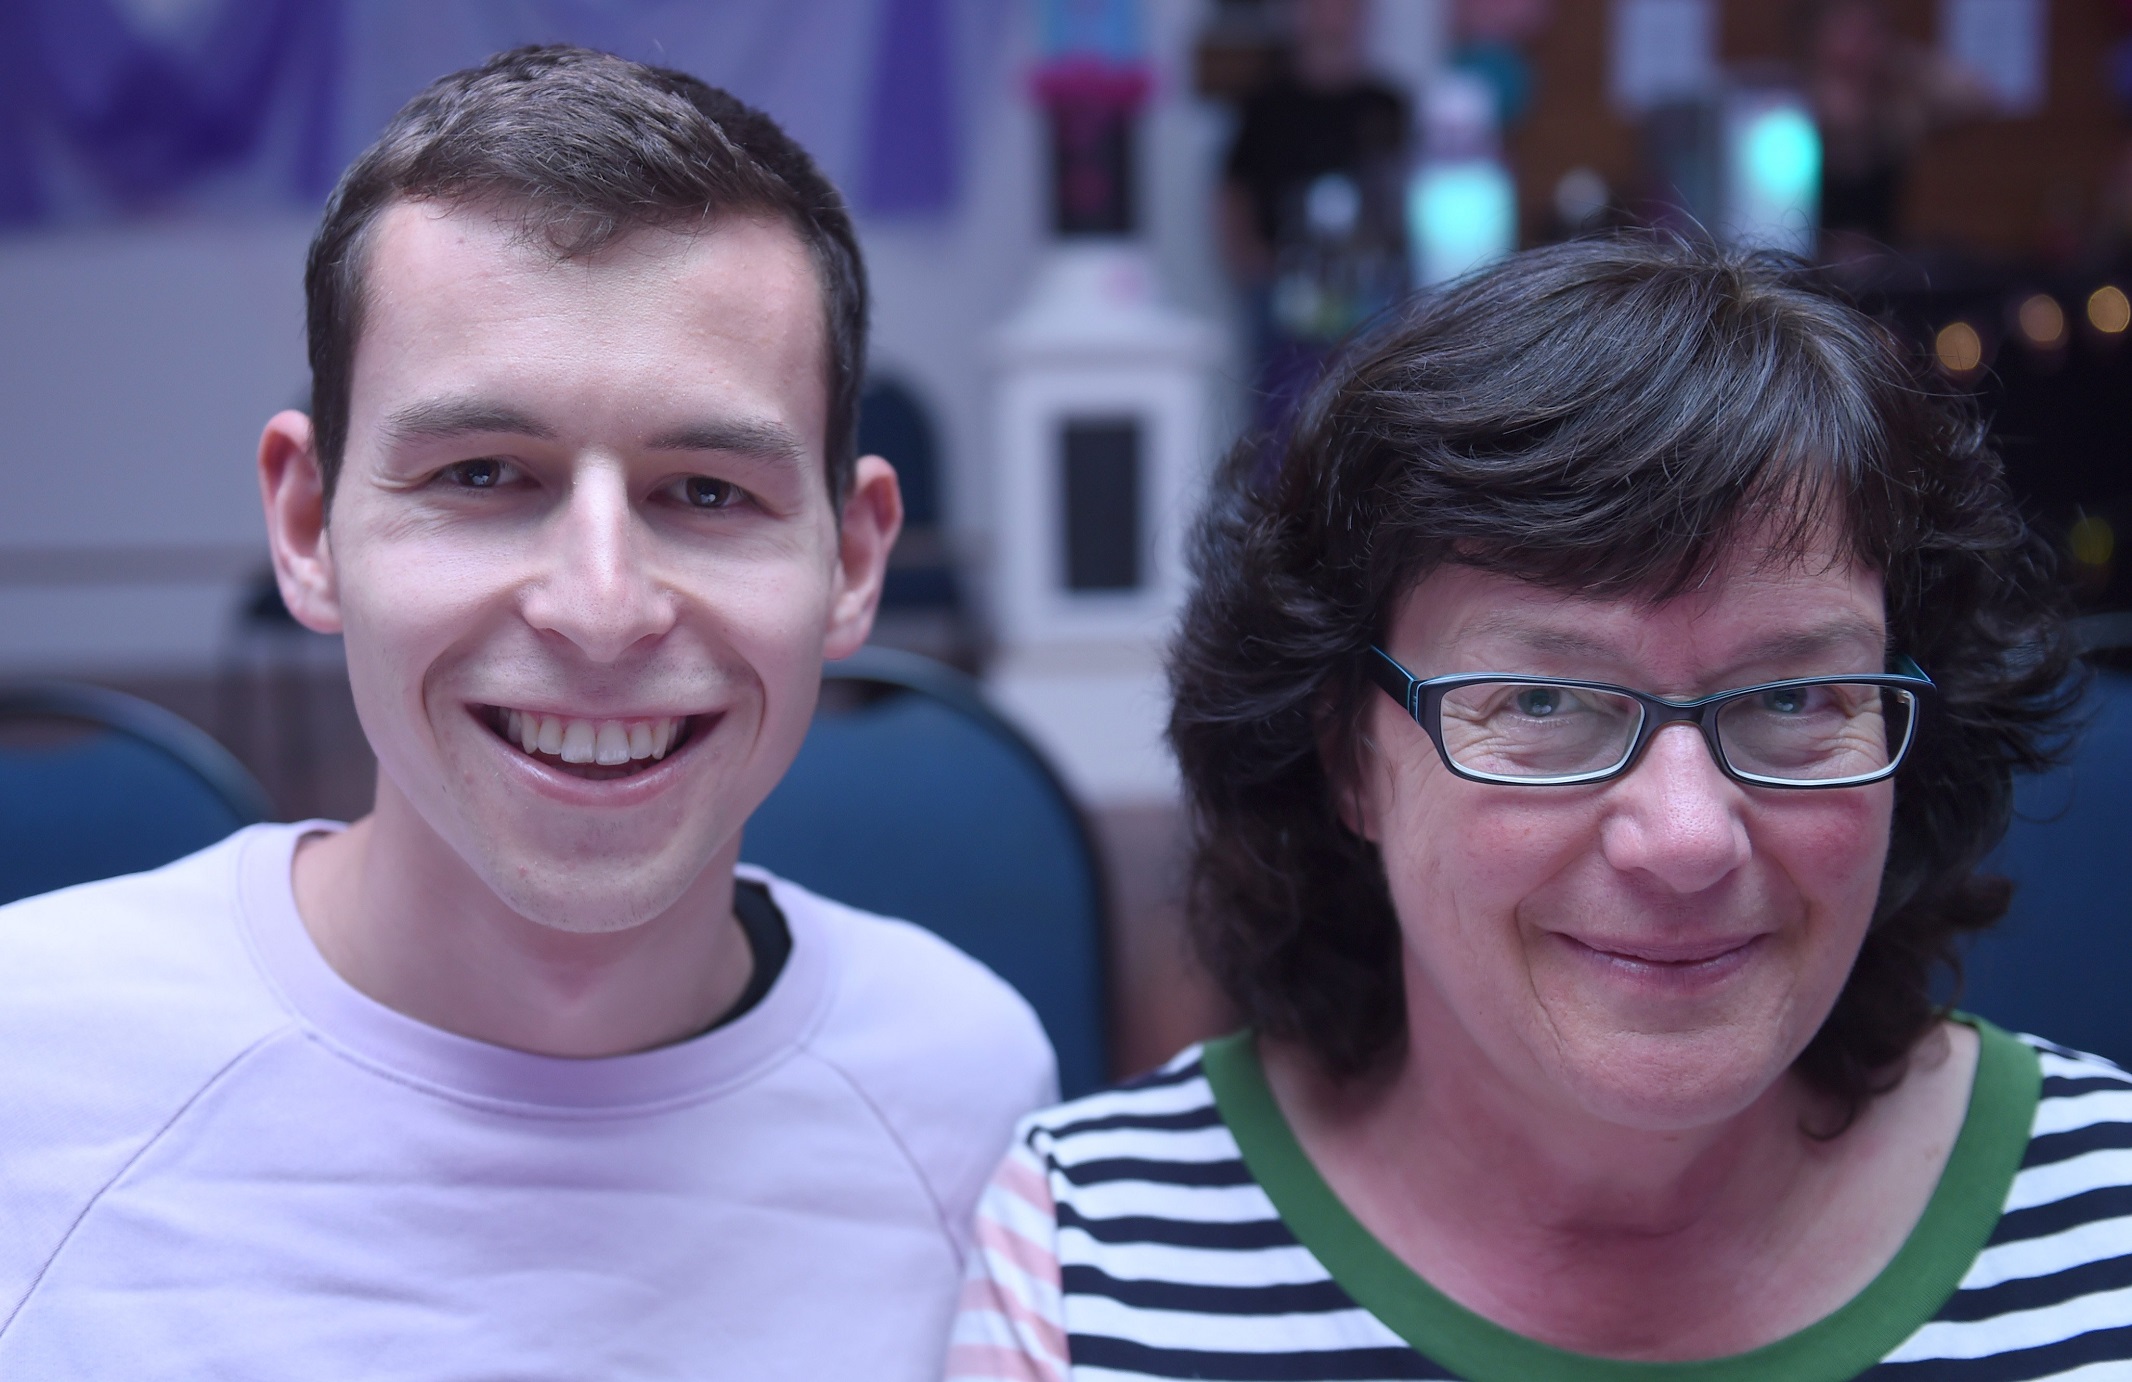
(1959, 348)
(2093, 541)
(2109, 311)
(1460, 216)
(1784, 155)
(2042, 321)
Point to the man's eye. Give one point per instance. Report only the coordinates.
(702, 492)
(482, 474)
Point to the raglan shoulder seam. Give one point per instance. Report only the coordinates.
(903, 1148)
(149, 1144)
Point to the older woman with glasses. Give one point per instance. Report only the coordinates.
(1593, 725)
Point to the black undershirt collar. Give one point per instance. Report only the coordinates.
(769, 946)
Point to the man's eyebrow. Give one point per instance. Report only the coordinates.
(734, 436)
(445, 419)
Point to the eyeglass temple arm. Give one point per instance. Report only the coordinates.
(1396, 681)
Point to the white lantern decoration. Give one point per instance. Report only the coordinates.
(1103, 439)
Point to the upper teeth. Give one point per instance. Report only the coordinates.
(606, 742)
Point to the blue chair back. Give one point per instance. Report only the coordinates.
(94, 783)
(2060, 964)
(921, 802)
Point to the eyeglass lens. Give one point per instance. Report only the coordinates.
(1813, 733)
(1508, 729)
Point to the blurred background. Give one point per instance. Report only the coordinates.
(1108, 239)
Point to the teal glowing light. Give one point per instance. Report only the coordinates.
(1107, 30)
(1783, 155)
(1460, 216)
(1772, 174)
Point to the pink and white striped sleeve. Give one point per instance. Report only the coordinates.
(1010, 1326)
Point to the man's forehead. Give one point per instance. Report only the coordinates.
(428, 237)
(460, 303)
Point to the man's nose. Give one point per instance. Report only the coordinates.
(1676, 817)
(595, 586)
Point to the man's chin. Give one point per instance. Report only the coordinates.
(588, 900)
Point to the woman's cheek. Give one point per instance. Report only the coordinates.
(1834, 845)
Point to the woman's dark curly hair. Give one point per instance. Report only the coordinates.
(1605, 417)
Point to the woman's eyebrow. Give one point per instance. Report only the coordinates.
(1821, 638)
(1539, 638)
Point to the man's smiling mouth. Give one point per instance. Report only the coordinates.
(592, 749)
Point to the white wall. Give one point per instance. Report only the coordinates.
(942, 284)
(136, 366)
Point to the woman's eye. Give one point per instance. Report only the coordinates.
(481, 474)
(702, 492)
(1539, 701)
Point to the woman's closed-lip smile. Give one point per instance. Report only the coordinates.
(1679, 961)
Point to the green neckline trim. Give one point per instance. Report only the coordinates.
(1960, 1217)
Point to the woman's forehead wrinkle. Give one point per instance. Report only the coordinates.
(1611, 631)
(1537, 635)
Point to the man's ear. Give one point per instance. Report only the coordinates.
(873, 515)
(293, 488)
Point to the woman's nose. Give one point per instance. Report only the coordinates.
(595, 586)
(1675, 817)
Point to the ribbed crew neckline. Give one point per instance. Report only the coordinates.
(370, 1033)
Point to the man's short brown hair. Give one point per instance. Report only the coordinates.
(582, 148)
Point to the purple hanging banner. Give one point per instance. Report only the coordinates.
(911, 163)
(141, 119)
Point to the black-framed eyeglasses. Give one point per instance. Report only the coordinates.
(1548, 731)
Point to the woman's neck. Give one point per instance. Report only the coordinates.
(1624, 1242)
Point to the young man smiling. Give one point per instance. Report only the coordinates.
(517, 1076)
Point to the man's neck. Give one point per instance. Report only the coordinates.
(400, 916)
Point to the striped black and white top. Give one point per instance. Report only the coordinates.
(1172, 1228)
